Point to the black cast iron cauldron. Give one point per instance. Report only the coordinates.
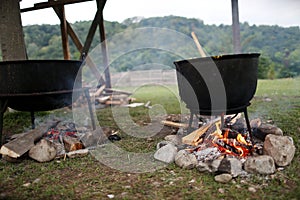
(38, 85)
(230, 79)
(218, 85)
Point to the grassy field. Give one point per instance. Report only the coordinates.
(276, 101)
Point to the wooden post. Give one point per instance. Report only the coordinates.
(11, 38)
(64, 33)
(79, 46)
(100, 6)
(91, 33)
(236, 27)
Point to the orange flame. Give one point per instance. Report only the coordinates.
(232, 143)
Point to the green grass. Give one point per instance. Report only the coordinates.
(87, 178)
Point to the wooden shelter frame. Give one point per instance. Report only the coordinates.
(66, 30)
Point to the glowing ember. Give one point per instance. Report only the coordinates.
(231, 142)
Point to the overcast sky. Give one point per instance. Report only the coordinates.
(268, 12)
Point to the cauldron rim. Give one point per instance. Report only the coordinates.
(38, 61)
(219, 57)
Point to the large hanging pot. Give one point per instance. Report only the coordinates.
(236, 73)
(38, 85)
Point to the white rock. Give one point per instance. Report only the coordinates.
(232, 166)
(43, 151)
(260, 164)
(26, 184)
(162, 143)
(203, 167)
(175, 139)
(185, 160)
(251, 189)
(280, 148)
(166, 153)
(223, 178)
(214, 165)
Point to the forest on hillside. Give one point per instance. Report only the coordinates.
(279, 47)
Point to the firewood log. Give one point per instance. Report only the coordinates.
(71, 143)
(193, 138)
(174, 124)
(99, 91)
(19, 146)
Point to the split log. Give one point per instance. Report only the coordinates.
(102, 99)
(123, 97)
(232, 118)
(147, 105)
(96, 137)
(113, 102)
(114, 91)
(174, 124)
(43, 151)
(99, 91)
(12, 160)
(195, 137)
(24, 143)
(15, 136)
(131, 99)
(134, 105)
(78, 153)
(239, 125)
(71, 143)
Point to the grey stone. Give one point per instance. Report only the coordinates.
(175, 139)
(265, 129)
(260, 164)
(162, 143)
(280, 148)
(252, 189)
(185, 160)
(43, 151)
(232, 166)
(214, 165)
(203, 167)
(166, 153)
(223, 178)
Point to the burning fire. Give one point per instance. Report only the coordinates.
(231, 142)
(225, 140)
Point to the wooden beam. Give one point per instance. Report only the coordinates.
(70, 30)
(79, 46)
(11, 32)
(236, 27)
(91, 33)
(50, 4)
(64, 33)
(100, 6)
